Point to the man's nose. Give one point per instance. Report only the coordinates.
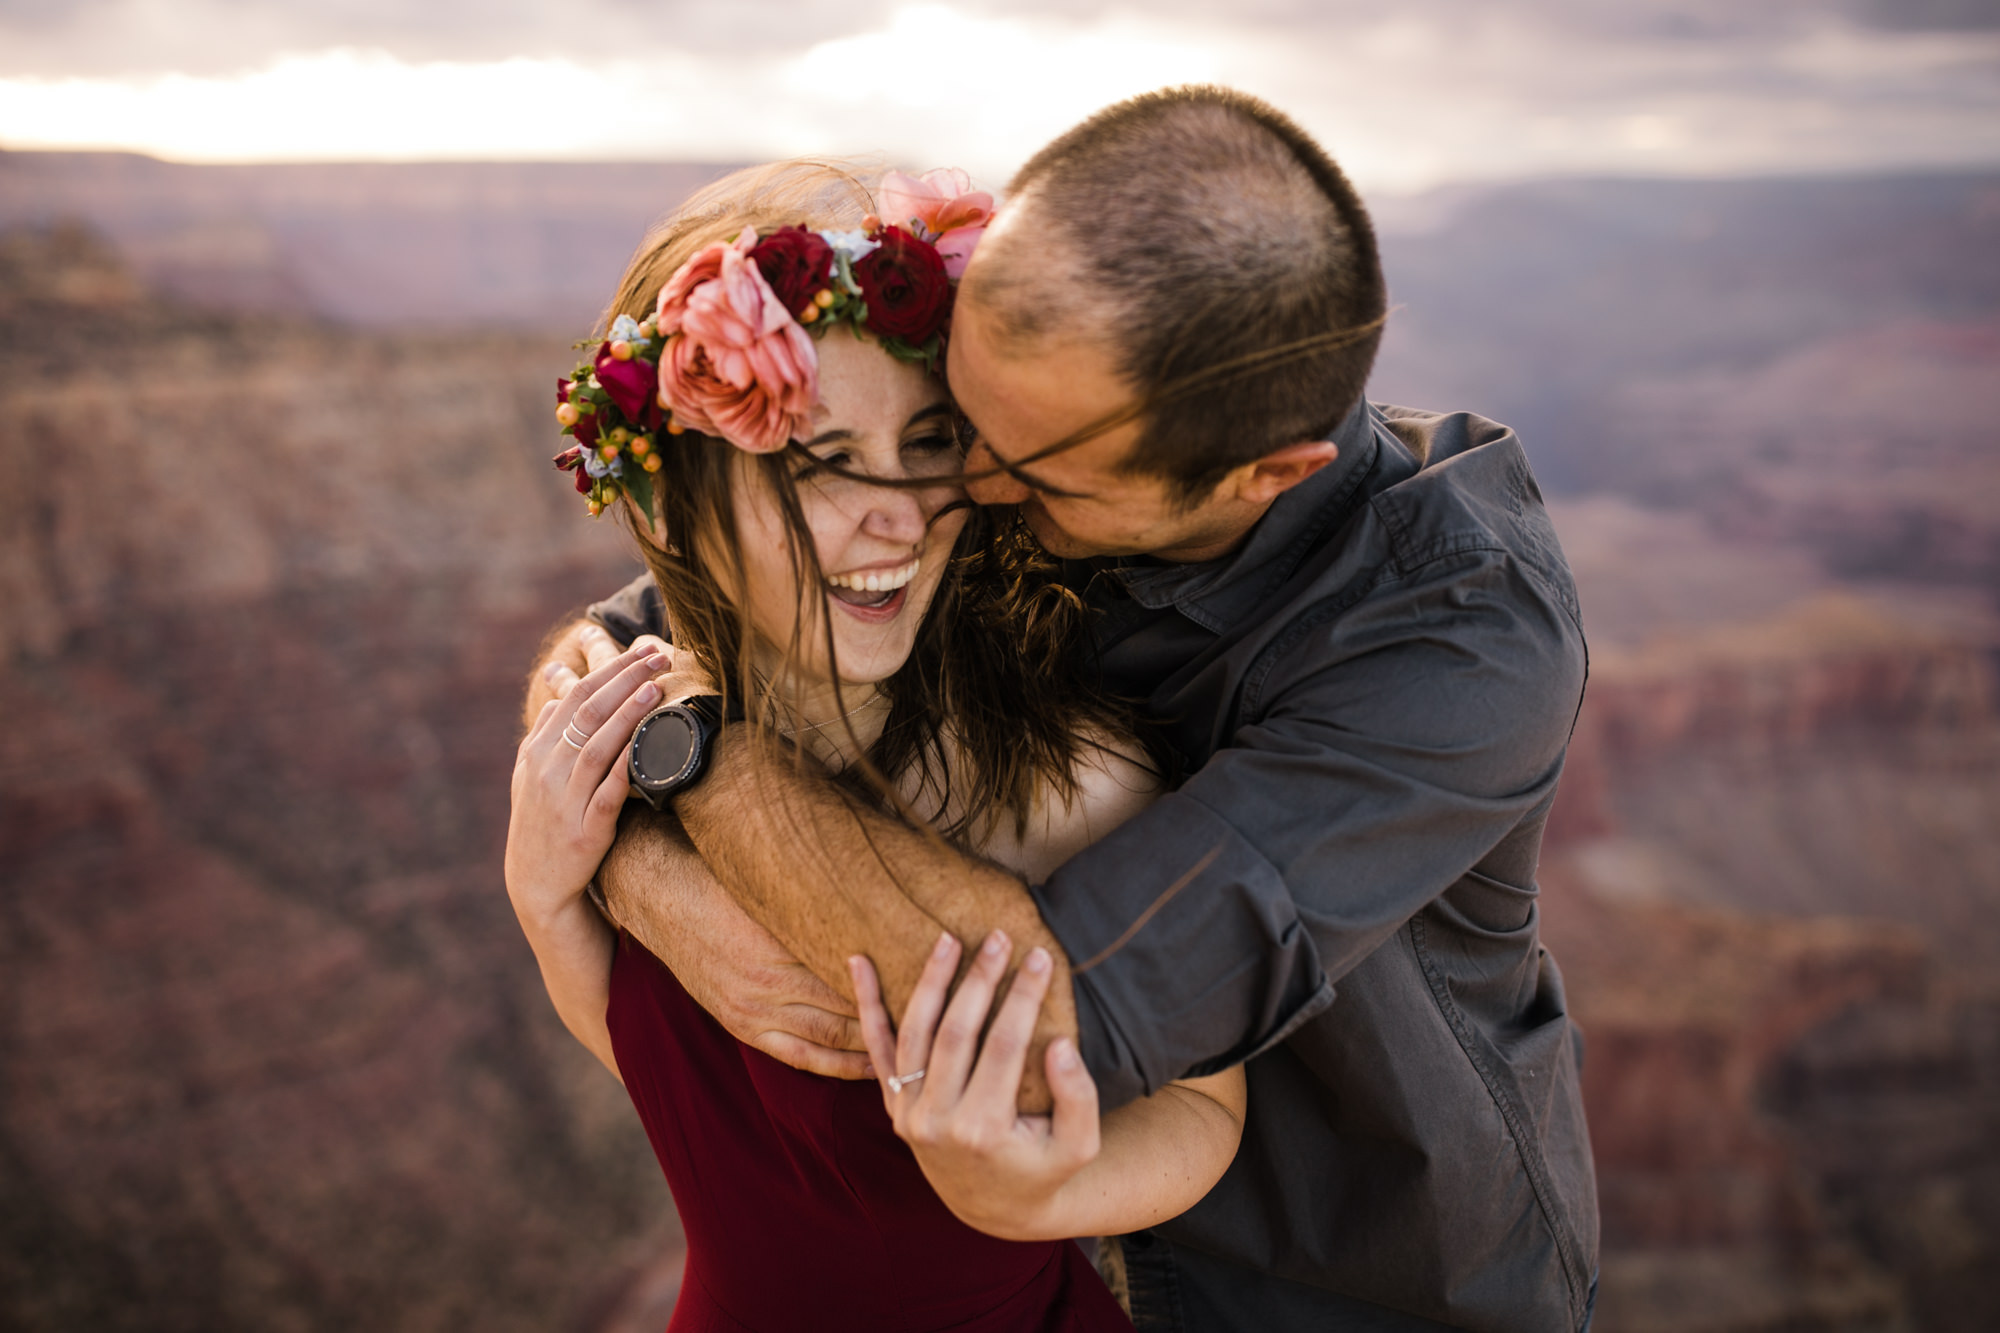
(1000, 488)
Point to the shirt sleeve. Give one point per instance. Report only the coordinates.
(1381, 751)
(633, 610)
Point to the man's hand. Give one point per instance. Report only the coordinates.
(680, 678)
(953, 1099)
(658, 887)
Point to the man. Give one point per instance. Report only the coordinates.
(1355, 627)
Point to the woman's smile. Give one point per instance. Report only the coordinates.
(875, 595)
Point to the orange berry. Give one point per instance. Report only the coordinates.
(675, 428)
(618, 435)
(607, 452)
(621, 350)
(811, 314)
(823, 297)
(641, 445)
(566, 414)
(652, 463)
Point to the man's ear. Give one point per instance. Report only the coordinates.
(1278, 471)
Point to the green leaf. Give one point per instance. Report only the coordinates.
(923, 354)
(639, 483)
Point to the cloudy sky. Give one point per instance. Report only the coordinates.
(1408, 94)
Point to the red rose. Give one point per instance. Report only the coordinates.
(571, 459)
(796, 263)
(904, 283)
(631, 384)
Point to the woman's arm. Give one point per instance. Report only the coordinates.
(1037, 1177)
(566, 799)
(1028, 1177)
(1159, 1156)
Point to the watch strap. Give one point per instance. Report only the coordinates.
(708, 707)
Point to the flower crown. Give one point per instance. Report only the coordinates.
(730, 352)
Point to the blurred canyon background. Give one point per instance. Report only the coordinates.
(279, 537)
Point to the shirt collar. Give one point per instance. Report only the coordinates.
(1213, 593)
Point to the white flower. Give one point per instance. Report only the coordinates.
(624, 327)
(856, 243)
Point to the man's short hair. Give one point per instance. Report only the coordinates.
(1221, 252)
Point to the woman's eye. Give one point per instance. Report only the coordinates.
(932, 444)
(838, 458)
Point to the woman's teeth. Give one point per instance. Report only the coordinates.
(881, 582)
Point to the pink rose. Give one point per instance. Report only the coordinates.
(943, 208)
(735, 363)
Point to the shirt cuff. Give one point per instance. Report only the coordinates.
(1214, 974)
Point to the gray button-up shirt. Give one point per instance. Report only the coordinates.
(1373, 696)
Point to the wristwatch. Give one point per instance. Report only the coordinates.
(670, 747)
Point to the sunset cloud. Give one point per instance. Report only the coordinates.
(1408, 96)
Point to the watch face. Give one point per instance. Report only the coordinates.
(664, 747)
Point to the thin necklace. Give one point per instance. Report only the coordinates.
(871, 701)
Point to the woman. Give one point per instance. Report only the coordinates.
(790, 489)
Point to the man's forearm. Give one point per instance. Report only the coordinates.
(831, 878)
(656, 886)
(650, 890)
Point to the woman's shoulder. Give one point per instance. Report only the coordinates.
(1112, 780)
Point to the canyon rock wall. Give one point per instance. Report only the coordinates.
(1771, 882)
(274, 1054)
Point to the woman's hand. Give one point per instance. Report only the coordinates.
(568, 791)
(999, 1171)
(678, 675)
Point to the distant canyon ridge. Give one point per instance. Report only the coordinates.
(279, 536)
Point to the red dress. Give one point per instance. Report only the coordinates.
(802, 1208)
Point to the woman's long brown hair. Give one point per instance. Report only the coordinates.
(998, 676)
